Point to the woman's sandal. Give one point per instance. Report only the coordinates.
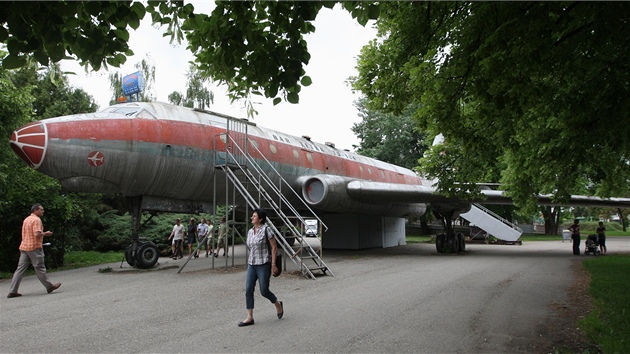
(243, 324)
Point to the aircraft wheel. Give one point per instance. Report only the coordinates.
(462, 242)
(453, 244)
(440, 243)
(129, 256)
(147, 255)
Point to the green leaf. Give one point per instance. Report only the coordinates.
(122, 34)
(277, 100)
(13, 62)
(293, 97)
(134, 22)
(13, 46)
(41, 57)
(139, 9)
(306, 81)
(374, 11)
(93, 8)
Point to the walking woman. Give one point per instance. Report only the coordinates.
(261, 262)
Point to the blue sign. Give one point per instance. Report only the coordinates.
(133, 83)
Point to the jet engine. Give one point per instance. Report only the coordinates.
(329, 193)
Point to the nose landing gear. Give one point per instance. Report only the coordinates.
(141, 254)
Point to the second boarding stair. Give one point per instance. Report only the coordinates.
(264, 187)
(492, 223)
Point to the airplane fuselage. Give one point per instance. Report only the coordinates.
(164, 151)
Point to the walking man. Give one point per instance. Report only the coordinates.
(32, 252)
(202, 231)
(178, 237)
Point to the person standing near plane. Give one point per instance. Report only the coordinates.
(261, 262)
(202, 231)
(601, 237)
(222, 242)
(192, 235)
(575, 236)
(32, 252)
(178, 236)
(210, 238)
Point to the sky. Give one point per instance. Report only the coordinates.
(326, 109)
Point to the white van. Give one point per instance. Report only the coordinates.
(311, 227)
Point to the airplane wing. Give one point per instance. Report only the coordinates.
(498, 197)
(327, 187)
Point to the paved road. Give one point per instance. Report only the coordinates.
(403, 299)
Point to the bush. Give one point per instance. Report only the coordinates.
(113, 231)
(589, 227)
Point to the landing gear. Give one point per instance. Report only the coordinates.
(462, 242)
(449, 242)
(130, 255)
(145, 255)
(440, 243)
(139, 254)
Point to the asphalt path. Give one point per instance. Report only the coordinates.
(493, 298)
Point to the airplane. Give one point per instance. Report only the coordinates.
(162, 157)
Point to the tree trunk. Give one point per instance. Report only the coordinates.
(622, 219)
(552, 219)
(424, 228)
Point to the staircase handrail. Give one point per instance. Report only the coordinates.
(268, 180)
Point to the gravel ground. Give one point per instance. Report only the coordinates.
(492, 299)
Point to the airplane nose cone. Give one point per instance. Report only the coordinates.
(29, 143)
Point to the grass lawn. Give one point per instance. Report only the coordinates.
(73, 260)
(609, 324)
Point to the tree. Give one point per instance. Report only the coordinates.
(51, 30)
(258, 47)
(196, 92)
(93, 32)
(253, 47)
(52, 97)
(623, 218)
(551, 215)
(388, 137)
(20, 185)
(391, 138)
(176, 98)
(534, 87)
(197, 95)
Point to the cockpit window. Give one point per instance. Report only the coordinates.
(128, 111)
(125, 110)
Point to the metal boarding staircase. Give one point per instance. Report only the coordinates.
(492, 223)
(258, 185)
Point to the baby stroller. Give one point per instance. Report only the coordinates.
(591, 245)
